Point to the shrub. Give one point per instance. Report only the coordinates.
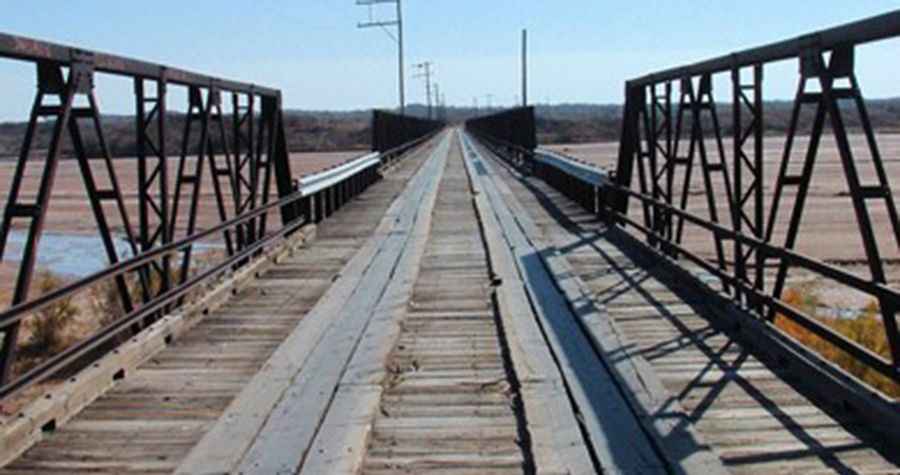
(867, 330)
(48, 326)
(107, 303)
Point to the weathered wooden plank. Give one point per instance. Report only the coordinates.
(616, 436)
(66, 401)
(282, 442)
(451, 293)
(339, 444)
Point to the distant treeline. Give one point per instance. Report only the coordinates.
(596, 123)
(304, 132)
(310, 131)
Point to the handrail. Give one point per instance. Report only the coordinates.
(313, 183)
(589, 174)
(61, 360)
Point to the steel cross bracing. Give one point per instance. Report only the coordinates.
(695, 104)
(153, 176)
(244, 150)
(744, 182)
(62, 110)
(813, 68)
(656, 168)
(747, 201)
(242, 165)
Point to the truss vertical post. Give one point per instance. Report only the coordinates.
(629, 146)
(841, 66)
(245, 165)
(196, 112)
(748, 193)
(237, 145)
(659, 143)
(216, 171)
(96, 196)
(278, 155)
(685, 107)
(646, 147)
(50, 81)
(153, 179)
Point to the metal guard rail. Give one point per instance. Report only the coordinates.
(590, 190)
(308, 187)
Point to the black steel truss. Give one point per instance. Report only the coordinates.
(301, 200)
(747, 200)
(829, 87)
(649, 145)
(241, 165)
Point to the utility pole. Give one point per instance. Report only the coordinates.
(426, 73)
(398, 22)
(490, 100)
(524, 67)
(437, 100)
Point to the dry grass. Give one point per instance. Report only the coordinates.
(867, 330)
(51, 329)
(49, 325)
(73, 319)
(69, 321)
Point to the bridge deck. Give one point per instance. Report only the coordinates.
(430, 328)
(448, 398)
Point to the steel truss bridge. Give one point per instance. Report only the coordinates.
(459, 300)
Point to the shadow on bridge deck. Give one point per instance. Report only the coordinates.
(757, 416)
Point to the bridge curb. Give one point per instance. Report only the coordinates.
(62, 403)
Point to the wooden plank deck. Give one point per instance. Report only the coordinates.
(751, 413)
(150, 420)
(450, 402)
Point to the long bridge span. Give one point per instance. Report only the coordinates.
(460, 300)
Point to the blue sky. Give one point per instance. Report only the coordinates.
(581, 50)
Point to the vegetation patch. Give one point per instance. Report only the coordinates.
(866, 329)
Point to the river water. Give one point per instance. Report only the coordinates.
(74, 255)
